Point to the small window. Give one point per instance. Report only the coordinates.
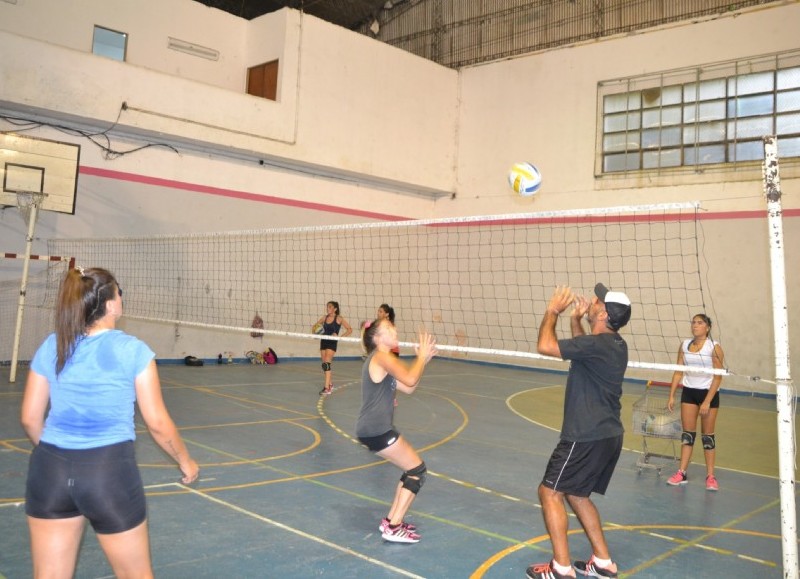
(109, 43)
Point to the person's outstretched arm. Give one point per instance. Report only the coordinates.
(159, 422)
(548, 341)
(408, 376)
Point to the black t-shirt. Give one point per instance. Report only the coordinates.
(594, 386)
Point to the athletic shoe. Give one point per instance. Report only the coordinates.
(325, 392)
(592, 569)
(385, 525)
(679, 478)
(545, 571)
(399, 534)
(711, 483)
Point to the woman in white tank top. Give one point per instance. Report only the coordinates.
(700, 397)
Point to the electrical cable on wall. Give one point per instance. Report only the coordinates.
(101, 139)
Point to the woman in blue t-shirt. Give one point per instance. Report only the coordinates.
(83, 466)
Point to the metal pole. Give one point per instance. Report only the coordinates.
(23, 288)
(783, 384)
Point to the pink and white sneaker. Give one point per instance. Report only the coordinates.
(679, 478)
(400, 534)
(385, 525)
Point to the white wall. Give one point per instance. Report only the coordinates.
(149, 23)
(360, 120)
(317, 125)
(543, 108)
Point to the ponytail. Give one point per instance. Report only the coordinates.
(370, 329)
(389, 311)
(81, 302)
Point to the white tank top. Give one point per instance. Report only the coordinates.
(701, 359)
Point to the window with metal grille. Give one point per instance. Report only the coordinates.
(714, 114)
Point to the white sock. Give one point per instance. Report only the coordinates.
(561, 569)
(602, 562)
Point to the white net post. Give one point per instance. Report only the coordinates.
(28, 204)
(783, 384)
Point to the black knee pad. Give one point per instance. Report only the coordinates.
(326, 366)
(687, 437)
(414, 479)
(709, 441)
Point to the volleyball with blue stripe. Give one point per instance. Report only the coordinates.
(525, 179)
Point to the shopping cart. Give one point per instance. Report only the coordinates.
(660, 428)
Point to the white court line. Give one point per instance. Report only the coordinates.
(299, 532)
(509, 405)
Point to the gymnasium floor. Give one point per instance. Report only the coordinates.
(286, 492)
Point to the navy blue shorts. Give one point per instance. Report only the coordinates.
(328, 344)
(380, 442)
(582, 468)
(102, 484)
(697, 396)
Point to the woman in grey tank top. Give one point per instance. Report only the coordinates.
(382, 374)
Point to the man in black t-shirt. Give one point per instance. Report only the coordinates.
(591, 435)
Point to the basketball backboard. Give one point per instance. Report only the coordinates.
(40, 166)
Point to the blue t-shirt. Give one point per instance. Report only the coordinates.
(92, 399)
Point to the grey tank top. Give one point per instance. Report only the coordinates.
(377, 403)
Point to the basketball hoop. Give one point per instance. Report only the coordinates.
(26, 200)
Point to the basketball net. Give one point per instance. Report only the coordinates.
(26, 201)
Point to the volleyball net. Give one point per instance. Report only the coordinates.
(479, 284)
(41, 289)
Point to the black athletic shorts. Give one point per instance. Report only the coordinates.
(697, 396)
(102, 484)
(380, 442)
(582, 468)
(328, 344)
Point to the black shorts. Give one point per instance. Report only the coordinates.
(697, 396)
(328, 344)
(102, 484)
(582, 468)
(380, 442)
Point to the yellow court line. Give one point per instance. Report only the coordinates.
(480, 489)
(249, 401)
(446, 439)
(712, 531)
(510, 406)
(316, 440)
(312, 476)
(628, 434)
(708, 532)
